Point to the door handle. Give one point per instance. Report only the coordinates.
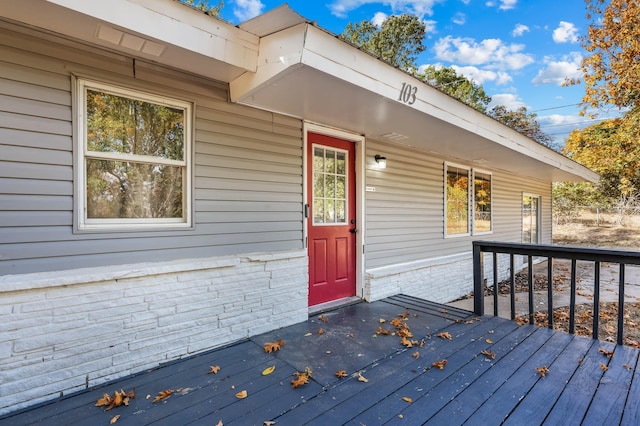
(353, 230)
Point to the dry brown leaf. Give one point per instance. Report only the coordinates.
(242, 394)
(445, 335)
(406, 342)
(162, 395)
(407, 399)
(341, 373)
(119, 398)
(489, 341)
(323, 318)
(382, 331)
(301, 379)
(362, 379)
(114, 419)
(439, 364)
(105, 400)
(273, 346)
(268, 370)
(627, 366)
(542, 371)
(397, 322)
(269, 423)
(443, 310)
(489, 354)
(214, 369)
(608, 354)
(381, 320)
(416, 354)
(320, 331)
(603, 367)
(219, 423)
(308, 334)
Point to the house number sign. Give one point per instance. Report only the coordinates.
(408, 94)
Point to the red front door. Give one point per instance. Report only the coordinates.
(331, 222)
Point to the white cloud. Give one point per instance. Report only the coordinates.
(556, 72)
(504, 4)
(247, 9)
(459, 19)
(492, 53)
(430, 26)
(519, 30)
(480, 76)
(509, 100)
(419, 8)
(565, 33)
(379, 18)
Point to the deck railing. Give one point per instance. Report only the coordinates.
(550, 252)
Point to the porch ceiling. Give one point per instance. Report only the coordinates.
(305, 72)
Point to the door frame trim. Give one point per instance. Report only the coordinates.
(359, 141)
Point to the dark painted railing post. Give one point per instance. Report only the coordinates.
(620, 304)
(478, 285)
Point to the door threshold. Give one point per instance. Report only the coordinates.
(333, 304)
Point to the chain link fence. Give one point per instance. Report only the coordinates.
(597, 216)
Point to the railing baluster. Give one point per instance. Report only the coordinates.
(620, 304)
(572, 303)
(530, 279)
(495, 284)
(596, 298)
(512, 285)
(550, 291)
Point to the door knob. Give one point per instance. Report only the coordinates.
(353, 230)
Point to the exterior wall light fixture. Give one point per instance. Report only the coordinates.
(382, 161)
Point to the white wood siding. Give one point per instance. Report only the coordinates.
(247, 169)
(405, 214)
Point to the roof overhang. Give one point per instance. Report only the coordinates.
(305, 72)
(161, 31)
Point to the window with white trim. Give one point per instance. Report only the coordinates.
(134, 167)
(468, 201)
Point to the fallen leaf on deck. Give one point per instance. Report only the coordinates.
(445, 335)
(489, 341)
(163, 395)
(242, 394)
(362, 379)
(341, 373)
(219, 423)
(543, 371)
(416, 354)
(603, 367)
(114, 419)
(443, 310)
(608, 354)
(308, 334)
(439, 364)
(119, 398)
(268, 370)
(627, 366)
(273, 346)
(214, 369)
(382, 331)
(269, 423)
(301, 378)
(381, 320)
(323, 318)
(320, 331)
(407, 399)
(489, 354)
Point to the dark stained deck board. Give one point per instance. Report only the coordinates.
(471, 388)
(538, 402)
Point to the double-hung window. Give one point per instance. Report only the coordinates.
(468, 206)
(133, 166)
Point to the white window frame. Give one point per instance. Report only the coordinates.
(469, 197)
(473, 202)
(82, 223)
(538, 217)
(346, 189)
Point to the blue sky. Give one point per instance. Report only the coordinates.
(521, 51)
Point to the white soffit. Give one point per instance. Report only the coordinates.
(162, 31)
(305, 72)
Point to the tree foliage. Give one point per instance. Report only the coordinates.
(456, 85)
(612, 68)
(397, 41)
(522, 121)
(203, 5)
(611, 149)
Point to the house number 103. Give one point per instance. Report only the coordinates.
(408, 94)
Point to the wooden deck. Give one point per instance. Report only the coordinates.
(583, 385)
